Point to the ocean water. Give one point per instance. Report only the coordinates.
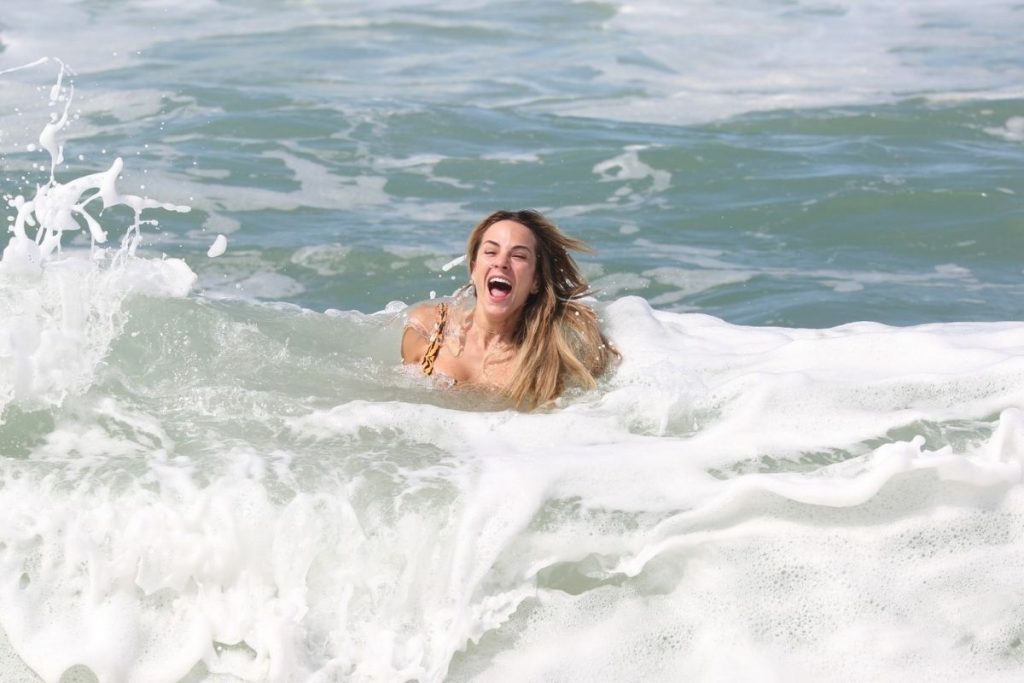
(808, 223)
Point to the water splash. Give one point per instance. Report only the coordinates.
(59, 315)
(58, 207)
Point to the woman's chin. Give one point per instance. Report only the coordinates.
(503, 306)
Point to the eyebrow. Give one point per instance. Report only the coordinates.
(517, 246)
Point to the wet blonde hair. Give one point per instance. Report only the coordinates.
(558, 340)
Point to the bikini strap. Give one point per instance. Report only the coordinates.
(436, 339)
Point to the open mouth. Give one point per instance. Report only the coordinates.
(499, 287)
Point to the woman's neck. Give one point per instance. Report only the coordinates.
(492, 331)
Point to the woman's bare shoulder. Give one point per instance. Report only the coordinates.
(422, 316)
(419, 323)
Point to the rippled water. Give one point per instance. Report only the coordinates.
(807, 222)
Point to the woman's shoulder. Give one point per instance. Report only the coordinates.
(423, 316)
(450, 308)
(427, 323)
(419, 319)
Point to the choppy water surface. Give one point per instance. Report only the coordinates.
(808, 228)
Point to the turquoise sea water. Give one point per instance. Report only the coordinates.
(808, 228)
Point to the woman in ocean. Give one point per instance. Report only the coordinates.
(525, 334)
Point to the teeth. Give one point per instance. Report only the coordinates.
(498, 278)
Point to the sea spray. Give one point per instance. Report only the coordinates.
(61, 314)
(56, 206)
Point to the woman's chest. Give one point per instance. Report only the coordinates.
(473, 366)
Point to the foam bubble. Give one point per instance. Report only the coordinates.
(219, 246)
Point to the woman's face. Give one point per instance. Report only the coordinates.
(504, 271)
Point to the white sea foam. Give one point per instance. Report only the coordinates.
(317, 188)
(689, 282)
(627, 166)
(707, 60)
(714, 268)
(1012, 131)
(327, 260)
(669, 62)
(58, 323)
(799, 390)
(242, 275)
(384, 539)
(270, 285)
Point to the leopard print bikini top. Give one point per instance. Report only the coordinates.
(435, 342)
